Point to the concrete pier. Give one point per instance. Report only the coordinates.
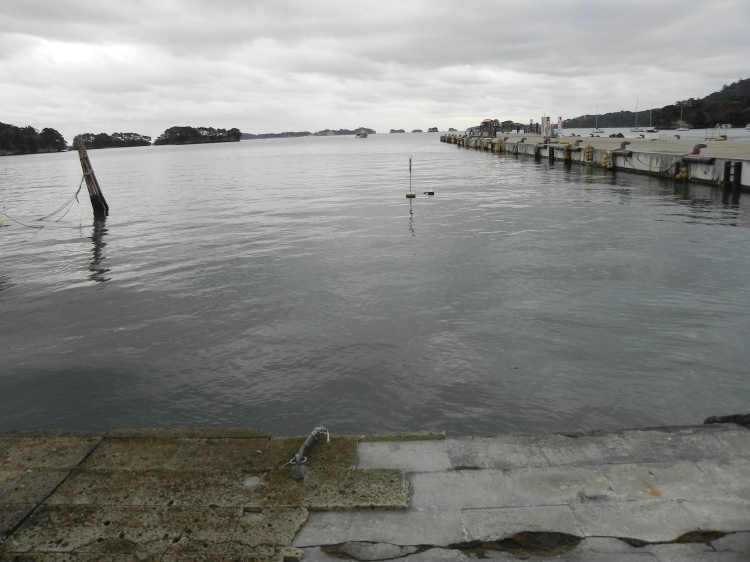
(649, 494)
(723, 163)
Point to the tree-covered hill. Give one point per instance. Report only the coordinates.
(115, 140)
(287, 135)
(199, 135)
(27, 140)
(730, 105)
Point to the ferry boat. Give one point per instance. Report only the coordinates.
(361, 134)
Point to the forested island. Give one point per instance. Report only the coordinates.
(197, 135)
(730, 105)
(27, 140)
(288, 135)
(332, 132)
(115, 140)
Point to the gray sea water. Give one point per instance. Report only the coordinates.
(285, 283)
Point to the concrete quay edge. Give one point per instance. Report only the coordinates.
(658, 493)
(725, 164)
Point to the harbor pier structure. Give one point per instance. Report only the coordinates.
(721, 163)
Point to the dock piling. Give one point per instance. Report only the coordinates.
(98, 203)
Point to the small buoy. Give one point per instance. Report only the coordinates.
(411, 195)
(429, 193)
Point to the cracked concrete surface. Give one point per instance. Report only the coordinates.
(657, 494)
(654, 494)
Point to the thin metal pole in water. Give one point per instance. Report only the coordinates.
(410, 195)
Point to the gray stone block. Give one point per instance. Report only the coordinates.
(695, 552)
(559, 485)
(405, 528)
(728, 515)
(438, 555)
(583, 449)
(44, 451)
(732, 476)
(685, 444)
(11, 516)
(736, 542)
(500, 523)
(507, 451)
(666, 480)
(648, 520)
(411, 456)
(324, 527)
(457, 489)
(736, 442)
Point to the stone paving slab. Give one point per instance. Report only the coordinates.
(732, 476)
(156, 488)
(499, 523)
(10, 517)
(32, 486)
(190, 433)
(44, 452)
(404, 528)
(666, 480)
(686, 444)
(508, 451)
(582, 449)
(650, 521)
(412, 456)
(559, 485)
(150, 453)
(459, 489)
(719, 514)
(119, 530)
(337, 489)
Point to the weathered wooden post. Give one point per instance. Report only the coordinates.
(99, 204)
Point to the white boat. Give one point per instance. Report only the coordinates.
(361, 134)
(650, 128)
(596, 122)
(636, 128)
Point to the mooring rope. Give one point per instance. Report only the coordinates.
(68, 203)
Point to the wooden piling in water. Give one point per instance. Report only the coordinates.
(98, 203)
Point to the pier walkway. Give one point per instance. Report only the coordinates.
(723, 163)
(651, 494)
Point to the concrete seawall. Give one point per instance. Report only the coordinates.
(722, 163)
(218, 495)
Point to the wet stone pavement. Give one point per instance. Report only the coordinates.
(209, 495)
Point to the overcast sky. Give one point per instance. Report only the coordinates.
(281, 65)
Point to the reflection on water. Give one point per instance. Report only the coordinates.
(411, 218)
(255, 287)
(718, 205)
(5, 282)
(98, 273)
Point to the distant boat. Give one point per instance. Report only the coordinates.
(596, 122)
(636, 128)
(361, 134)
(650, 128)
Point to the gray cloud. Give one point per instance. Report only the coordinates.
(271, 66)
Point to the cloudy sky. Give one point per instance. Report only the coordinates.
(282, 65)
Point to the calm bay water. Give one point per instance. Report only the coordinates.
(285, 283)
